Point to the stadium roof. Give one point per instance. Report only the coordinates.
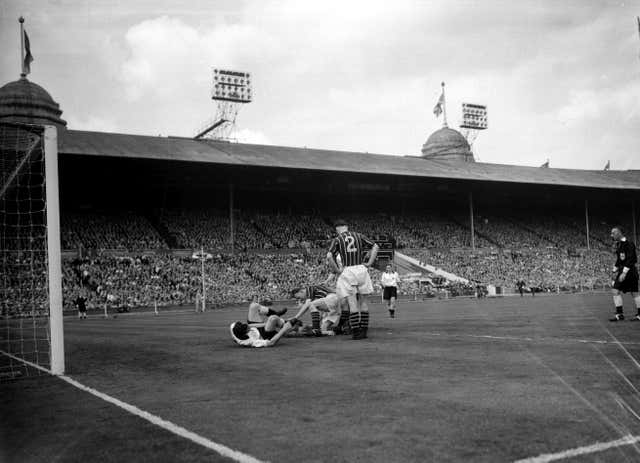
(207, 151)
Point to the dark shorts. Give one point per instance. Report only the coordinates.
(389, 292)
(266, 334)
(630, 283)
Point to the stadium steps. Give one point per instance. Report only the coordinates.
(163, 231)
(581, 234)
(263, 233)
(476, 232)
(532, 231)
(407, 264)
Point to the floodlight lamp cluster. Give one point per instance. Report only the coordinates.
(231, 86)
(474, 116)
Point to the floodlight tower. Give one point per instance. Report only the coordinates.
(474, 119)
(230, 89)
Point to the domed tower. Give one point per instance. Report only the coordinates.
(25, 101)
(447, 144)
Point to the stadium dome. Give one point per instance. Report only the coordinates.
(447, 144)
(25, 101)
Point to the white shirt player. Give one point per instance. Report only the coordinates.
(389, 279)
(254, 339)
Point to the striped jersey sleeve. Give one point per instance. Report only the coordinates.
(317, 292)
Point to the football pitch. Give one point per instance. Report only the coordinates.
(543, 378)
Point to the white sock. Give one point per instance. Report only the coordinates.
(617, 300)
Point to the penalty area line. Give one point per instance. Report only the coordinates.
(586, 450)
(532, 340)
(151, 418)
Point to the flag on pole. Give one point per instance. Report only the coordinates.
(28, 57)
(437, 109)
(638, 19)
(608, 166)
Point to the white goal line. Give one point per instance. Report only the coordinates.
(151, 418)
(586, 450)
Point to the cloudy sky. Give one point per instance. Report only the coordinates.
(561, 79)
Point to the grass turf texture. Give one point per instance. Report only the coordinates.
(460, 380)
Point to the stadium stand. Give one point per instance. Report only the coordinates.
(180, 192)
(281, 251)
(109, 231)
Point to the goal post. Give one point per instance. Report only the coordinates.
(53, 249)
(31, 302)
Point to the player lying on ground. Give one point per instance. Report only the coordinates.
(264, 326)
(251, 335)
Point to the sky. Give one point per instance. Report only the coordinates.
(560, 79)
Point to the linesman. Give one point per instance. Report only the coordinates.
(625, 274)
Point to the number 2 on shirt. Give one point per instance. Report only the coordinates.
(351, 244)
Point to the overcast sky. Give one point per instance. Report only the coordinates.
(561, 79)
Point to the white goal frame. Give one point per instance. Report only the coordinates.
(56, 324)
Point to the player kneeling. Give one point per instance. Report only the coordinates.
(324, 306)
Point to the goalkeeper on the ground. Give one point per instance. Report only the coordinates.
(264, 326)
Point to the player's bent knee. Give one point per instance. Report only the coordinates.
(273, 322)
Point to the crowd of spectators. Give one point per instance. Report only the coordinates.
(168, 280)
(276, 252)
(437, 232)
(547, 269)
(294, 231)
(192, 229)
(24, 287)
(129, 231)
(506, 233)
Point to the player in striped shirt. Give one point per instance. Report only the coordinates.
(354, 282)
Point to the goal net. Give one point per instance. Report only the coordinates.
(31, 338)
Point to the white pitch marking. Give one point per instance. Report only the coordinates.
(588, 449)
(529, 339)
(153, 419)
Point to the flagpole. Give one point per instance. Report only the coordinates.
(444, 107)
(638, 19)
(24, 72)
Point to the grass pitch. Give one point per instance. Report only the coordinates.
(461, 380)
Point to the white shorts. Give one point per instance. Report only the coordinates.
(329, 308)
(329, 321)
(354, 280)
